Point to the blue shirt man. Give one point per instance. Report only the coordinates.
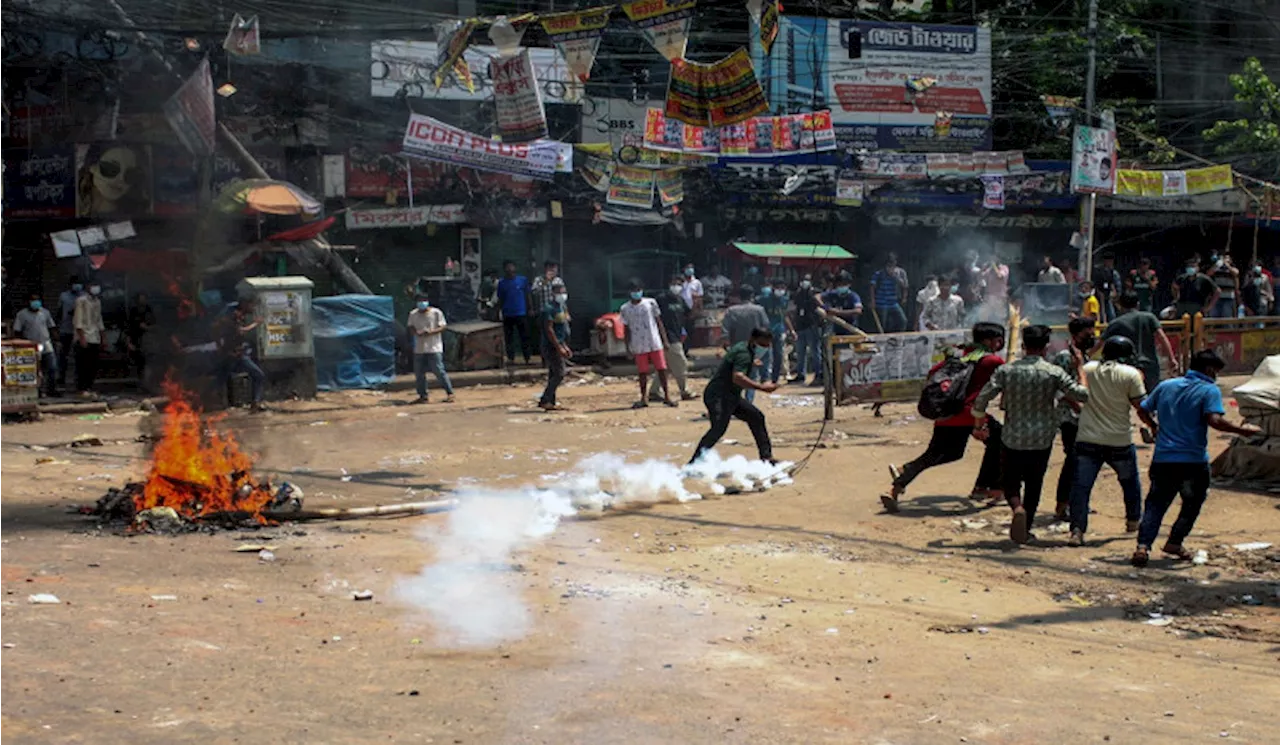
(513, 298)
(1182, 406)
(888, 286)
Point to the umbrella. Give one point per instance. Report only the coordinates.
(268, 197)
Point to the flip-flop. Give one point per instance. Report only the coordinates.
(1018, 530)
(640, 405)
(1177, 552)
(890, 503)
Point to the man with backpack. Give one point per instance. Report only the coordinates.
(949, 392)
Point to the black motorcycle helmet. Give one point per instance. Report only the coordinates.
(1118, 349)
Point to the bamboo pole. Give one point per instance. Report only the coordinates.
(355, 513)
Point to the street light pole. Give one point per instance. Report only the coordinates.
(1089, 207)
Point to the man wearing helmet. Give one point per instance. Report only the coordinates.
(1105, 434)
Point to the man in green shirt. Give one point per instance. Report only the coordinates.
(723, 395)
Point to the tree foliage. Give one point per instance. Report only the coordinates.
(1257, 133)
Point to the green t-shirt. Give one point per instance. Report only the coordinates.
(738, 358)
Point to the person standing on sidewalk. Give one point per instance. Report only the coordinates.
(674, 312)
(1193, 292)
(888, 295)
(951, 435)
(241, 341)
(724, 400)
(694, 295)
(1030, 387)
(553, 325)
(740, 319)
(35, 324)
(513, 298)
(1143, 282)
(67, 326)
(1106, 434)
(427, 325)
(1106, 280)
(89, 330)
(807, 323)
(773, 298)
(1226, 278)
(646, 341)
(1184, 408)
(1082, 338)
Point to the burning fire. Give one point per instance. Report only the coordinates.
(197, 470)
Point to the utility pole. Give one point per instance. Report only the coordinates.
(1089, 207)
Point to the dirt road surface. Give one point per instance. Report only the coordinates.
(799, 615)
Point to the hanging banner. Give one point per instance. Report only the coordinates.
(1093, 161)
(1133, 183)
(243, 38)
(895, 165)
(596, 171)
(1214, 178)
(434, 140)
(665, 23)
(632, 187)
(406, 217)
(517, 99)
(453, 36)
(717, 94)
(670, 186)
(1174, 183)
(402, 68)
(507, 33)
(190, 112)
(850, 192)
(674, 136)
(993, 192)
(768, 22)
(577, 36)
(1061, 110)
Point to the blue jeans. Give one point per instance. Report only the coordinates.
(435, 361)
(245, 364)
(759, 373)
(808, 342)
(892, 318)
(49, 361)
(1224, 308)
(1090, 458)
(779, 353)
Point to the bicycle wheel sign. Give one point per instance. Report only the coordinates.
(408, 68)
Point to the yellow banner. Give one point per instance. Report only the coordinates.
(1214, 178)
(1134, 183)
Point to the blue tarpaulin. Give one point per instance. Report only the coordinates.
(355, 339)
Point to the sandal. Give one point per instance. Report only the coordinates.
(1177, 552)
(1140, 557)
(640, 405)
(890, 503)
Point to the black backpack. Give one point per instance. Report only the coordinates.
(945, 390)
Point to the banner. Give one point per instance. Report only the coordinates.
(190, 112)
(431, 139)
(1174, 183)
(719, 94)
(670, 184)
(1061, 110)
(577, 36)
(406, 68)
(632, 187)
(1213, 178)
(516, 99)
(40, 182)
(505, 36)
(665, 23)
(243, 38)
(406, 217)
(674, 136)
(113, 179)
(1093, 161)
(993, 192)
(596, 170)
(895, 165)
(1134, 183)
(809, 66)
(769, 17)
(1151, 184)
(453, 37)
(850, 192)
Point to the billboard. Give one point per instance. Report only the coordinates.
(870, 103)
(410, 65)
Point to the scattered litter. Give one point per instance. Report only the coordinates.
(43, 598)
(1250, 600)
(86, 441)
(265, 555)
(90, 417)
(321, 423)
(403, 414)
(362, 595)
(787, 401)
(983, 630)
(162, 519)
(37, 448)
(729, 442)
(1201, 558)
(833, 630)
(164, 597)
(252, 548)
(48, 460)
(1159, 621)
(975, 524)
(9, 645)
(638, 430)
(1254, 546)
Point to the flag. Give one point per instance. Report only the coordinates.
(452, 39)
(577, 36)
(243, 38)
(190, 112)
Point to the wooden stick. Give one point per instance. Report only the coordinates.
(354, 513)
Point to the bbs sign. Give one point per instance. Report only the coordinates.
(616, 121)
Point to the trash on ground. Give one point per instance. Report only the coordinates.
(265, 555)
(164, 597)
(86, 441)
(43, 598)
(47, 460)
(252, 548)
(1252, 546)
(362, 595)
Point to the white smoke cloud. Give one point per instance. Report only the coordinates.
(469, 592)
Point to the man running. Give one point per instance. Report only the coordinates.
(724, 400)
(951, 435)
(1106, 434)
(1083, 339)
(1030, 386)
(1185, 408)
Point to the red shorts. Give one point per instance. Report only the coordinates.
(657, 358)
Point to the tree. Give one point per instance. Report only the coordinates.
(1255, 136)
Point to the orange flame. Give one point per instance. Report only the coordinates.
(197, 470)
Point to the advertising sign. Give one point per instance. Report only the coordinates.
(40, 182)
(406, 217)
(1093, 161)
(429, 138)
(410, 66)
(516, 99)
(894, 367)
(871, 105)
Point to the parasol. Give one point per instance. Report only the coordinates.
(268, 197)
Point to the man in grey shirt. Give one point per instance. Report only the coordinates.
(740, 318)
(34, 323)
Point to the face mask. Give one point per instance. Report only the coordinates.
(36, 304)
(424, 304)
(781, 293)
(1190, 271)
(843, 290)
(955, 289)
(95, 290)
(761, 350)
(1084, 344)
(562, 298)
(675, 289)
(805, 284)
(1213, 258)
(766, 291)
(637, 295)
(688, 272)
(77, 288)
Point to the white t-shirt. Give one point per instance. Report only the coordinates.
(1104, 418)
(692, 288)
(431, 319)
(1052, 275)
(642, 320)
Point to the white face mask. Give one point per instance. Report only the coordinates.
(95, 290)
(675, 289)
(561, 298)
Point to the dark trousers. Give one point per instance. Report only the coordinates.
(257, 378)
(947, 446)
(511, 327)
(66, 345)
(1168, 480)
(1024, 472)
(724, 406)
(1089, 461)
(552, 358)
(1067, 476)
(49, 364)
(87, 366)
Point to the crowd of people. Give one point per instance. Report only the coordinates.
(1089, 403)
